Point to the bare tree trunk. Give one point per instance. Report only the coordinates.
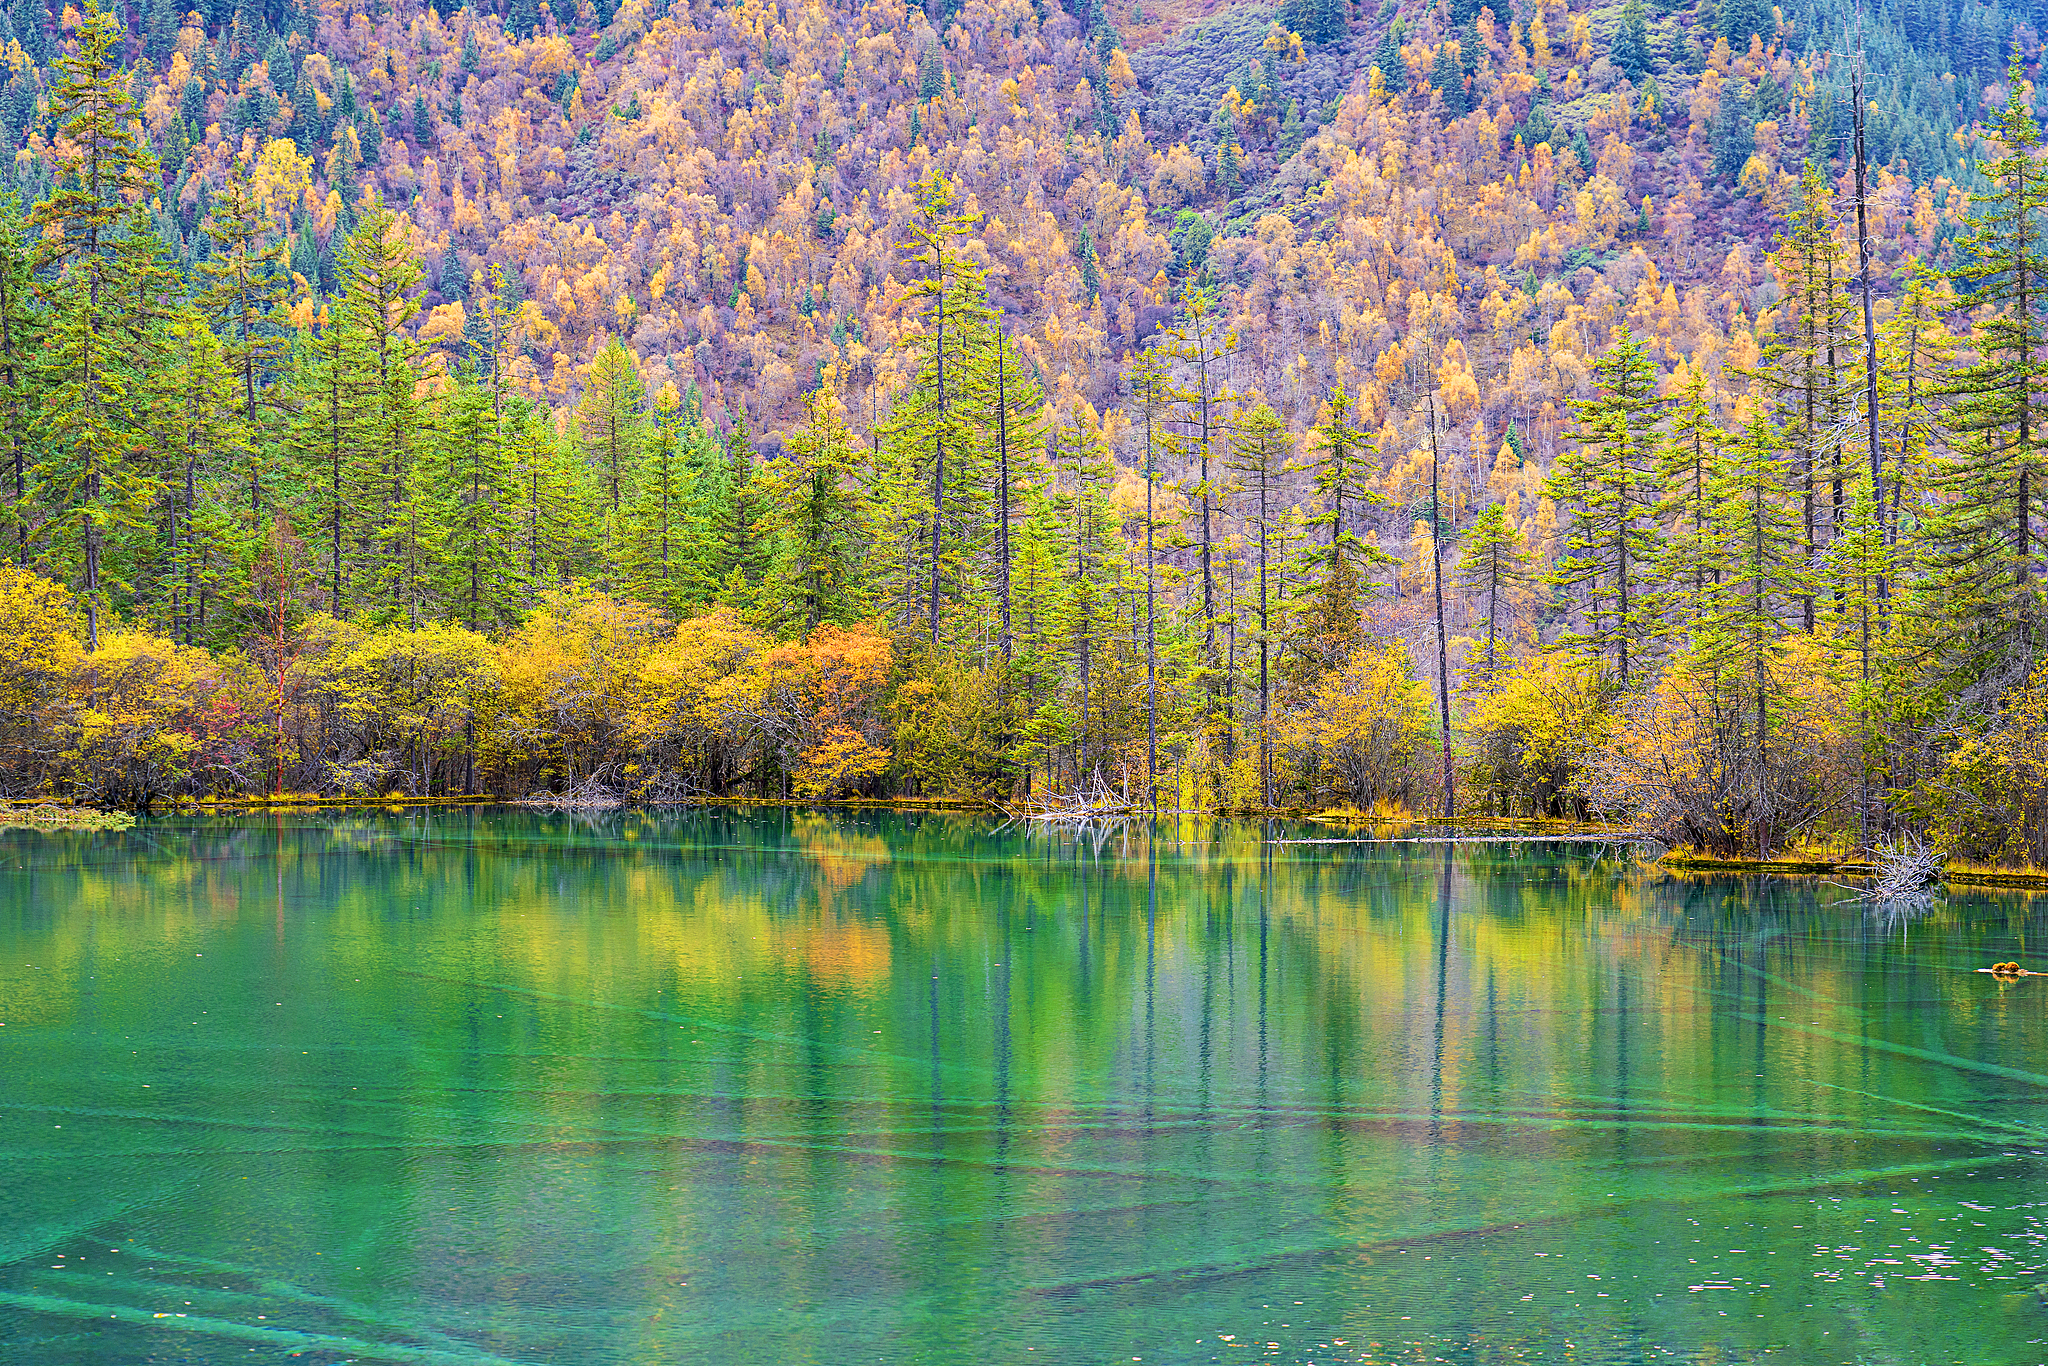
(1869, 328)
(1003, 501)
(1443, 668)
(1151, 636)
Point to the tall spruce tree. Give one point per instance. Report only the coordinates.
(818, 515)
(1803, 368)
(1201, 346)
(1004, 404)
(1494, 569)
(1153, 397)
(929, 426)
(1605, 482)
(1690, 467)
(21, 411)
(246, 279)
(1983, 545)
(740, 553)
(379, 373)
(93, 254)
(1335, 561)
(1766, 576)
(467, 492)
(657, 564)
(206, 444)
(1259, 447)
(613, 420)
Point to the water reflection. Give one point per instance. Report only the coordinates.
(720, 1085)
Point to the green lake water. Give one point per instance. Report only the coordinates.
(764, 1087)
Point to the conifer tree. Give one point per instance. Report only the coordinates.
(159, 30)
(1335, 559)
(246, 282)
(656, 561)
(1606, 482)
(1259, 448)
(1740, 19)
(1494, 567)
(1631, 49)
(1690, 467)
(1201, 345)
(1082, 462)
(1859, 563)
(467, 479)
(1734, 129)
(30, 20)
(1983, 544)
(1766, 577)
(818, 517)
(1041, 611)
(323, 438)
(1003, 403)
(381, 279)
(551, 498)
(1154, 398)
(740, 552)
(1802, 364)
(205, 439)
(94, 474)
(928, 425)
(21, 326)
(613, 420)
(1915, 352)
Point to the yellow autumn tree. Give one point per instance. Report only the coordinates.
(40, 649)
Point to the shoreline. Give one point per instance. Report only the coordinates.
(2013, 879)
(1484, 830)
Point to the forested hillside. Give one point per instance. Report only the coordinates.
(1572, 410)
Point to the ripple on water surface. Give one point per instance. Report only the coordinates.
(489, 1087)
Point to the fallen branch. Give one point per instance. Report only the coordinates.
(1907, 874)
(592, 794)
(1092, 802)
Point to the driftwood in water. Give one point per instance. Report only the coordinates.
(1087, 804)
(594, 793)
(1907, 873)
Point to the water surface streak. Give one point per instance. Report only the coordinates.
(492, 1086)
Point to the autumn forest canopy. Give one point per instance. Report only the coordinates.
(1630, 412)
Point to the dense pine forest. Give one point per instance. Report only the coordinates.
(1630, 412)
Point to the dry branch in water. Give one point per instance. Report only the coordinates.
(592, 794)
(1091, 802)
(1907, 871)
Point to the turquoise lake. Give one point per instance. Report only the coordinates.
(487, 1087)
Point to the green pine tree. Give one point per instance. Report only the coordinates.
(246, 281)
(1335, 562)
(658, 564)
(1690, 466)
(929, 429)
(21, 408)
(379, 375)
(1738, 641)
(471, 530)
(203, 547)
(1631, 48)
(1983, 545)
(1494, 570)
(740, 553)
(817, 511)
(1259, 447)
(93, 260)
(1605, 483)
